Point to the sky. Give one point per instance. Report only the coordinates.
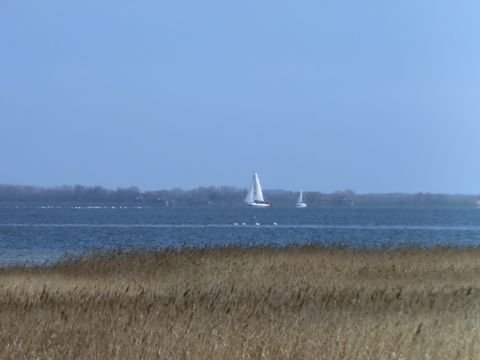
(373, 96)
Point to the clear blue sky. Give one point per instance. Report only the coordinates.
(374, 96)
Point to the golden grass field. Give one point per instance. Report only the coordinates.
(297, 303)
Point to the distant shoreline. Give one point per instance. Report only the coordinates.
(224, 196)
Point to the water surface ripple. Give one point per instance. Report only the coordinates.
(44, 234)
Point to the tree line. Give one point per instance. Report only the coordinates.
(222, 196)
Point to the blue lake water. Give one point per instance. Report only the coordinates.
(45, 234)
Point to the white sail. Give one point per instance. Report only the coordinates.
(300, 197)
(249, 197)
(300, 203)
(257, 189)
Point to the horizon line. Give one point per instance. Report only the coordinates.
(52, 187)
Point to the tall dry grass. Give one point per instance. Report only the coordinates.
(300, 303)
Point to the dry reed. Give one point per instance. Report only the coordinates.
(297, 303)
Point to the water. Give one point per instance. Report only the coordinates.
(45, 234)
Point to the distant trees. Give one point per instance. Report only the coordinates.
(77, 193)
(202, 196)
(222, 196)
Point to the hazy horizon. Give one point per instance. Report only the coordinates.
(237, 188)
(376, 97)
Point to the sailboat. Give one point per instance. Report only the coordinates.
(254, 196)
(300, 202)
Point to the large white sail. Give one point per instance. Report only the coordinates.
(257, 189)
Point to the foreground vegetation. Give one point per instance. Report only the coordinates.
(305, 303)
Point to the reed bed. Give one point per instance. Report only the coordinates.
(234, 303)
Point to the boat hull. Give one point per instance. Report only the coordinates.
(260, 205)
(301, 205)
